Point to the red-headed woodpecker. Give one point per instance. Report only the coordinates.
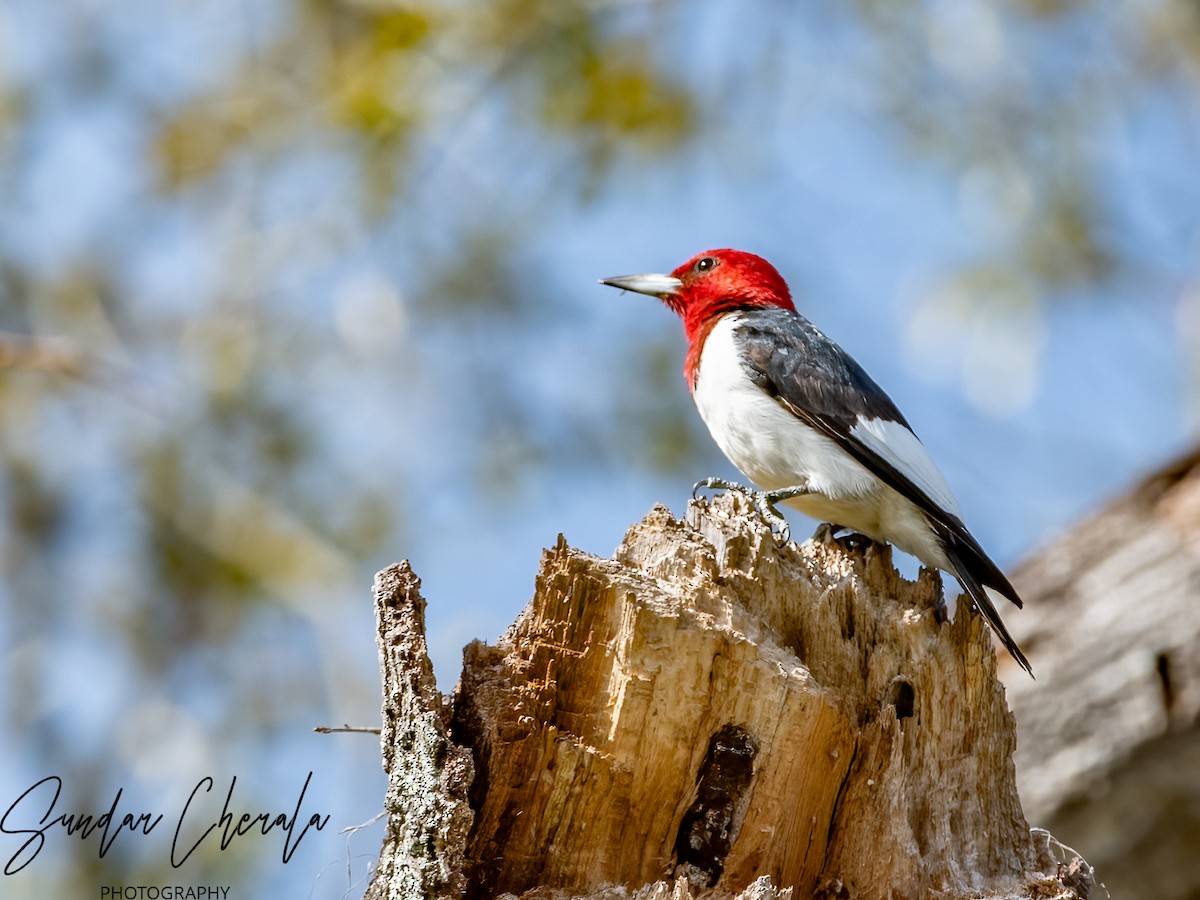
(805, 422)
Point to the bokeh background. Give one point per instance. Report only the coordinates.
(291, 289)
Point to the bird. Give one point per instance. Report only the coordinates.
(800, 418)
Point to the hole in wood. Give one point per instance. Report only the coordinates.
(1162, 663)
(903, 698)
(711, 823)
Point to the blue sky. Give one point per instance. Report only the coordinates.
(1037, 405)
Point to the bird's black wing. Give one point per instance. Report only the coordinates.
(819, 383)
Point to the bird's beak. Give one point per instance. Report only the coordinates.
(654, 285)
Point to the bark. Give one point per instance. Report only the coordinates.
(708, 713)
(1109, 735)
(429, 818)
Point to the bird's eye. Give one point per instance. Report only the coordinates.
(706, 264)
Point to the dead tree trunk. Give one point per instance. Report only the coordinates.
(707, 712)
(1109, 749)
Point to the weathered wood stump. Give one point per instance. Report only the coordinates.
(707, 713)
(1109, 749)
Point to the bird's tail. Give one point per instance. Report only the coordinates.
(974, 586)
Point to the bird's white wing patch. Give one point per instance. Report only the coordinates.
(897, 445)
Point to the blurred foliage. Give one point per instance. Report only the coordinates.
(191, 376)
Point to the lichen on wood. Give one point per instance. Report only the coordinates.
(428, 775)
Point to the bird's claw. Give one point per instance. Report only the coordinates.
(827, 533)
(764, 502)
(720, 484)
(777, 523)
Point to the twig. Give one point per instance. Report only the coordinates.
(354, 729)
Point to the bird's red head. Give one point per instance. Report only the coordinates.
(709, 285)
(717, 281)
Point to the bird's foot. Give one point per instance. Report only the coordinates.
(764, 501)
(719, 484)
(827, 533)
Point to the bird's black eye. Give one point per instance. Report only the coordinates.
(706, 264)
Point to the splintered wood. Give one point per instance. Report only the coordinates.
(710, 713)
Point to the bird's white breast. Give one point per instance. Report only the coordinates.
(769, 444)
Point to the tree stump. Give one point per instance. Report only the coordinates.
(707, 713)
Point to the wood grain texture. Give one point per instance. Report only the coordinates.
(1109, 735)
(710, 714)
